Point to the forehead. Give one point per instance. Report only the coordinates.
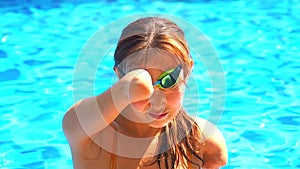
(150, 59)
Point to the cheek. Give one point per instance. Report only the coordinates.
(174, 99)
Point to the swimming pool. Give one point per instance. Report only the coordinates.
(257, 42)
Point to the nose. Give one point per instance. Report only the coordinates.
(158, 99)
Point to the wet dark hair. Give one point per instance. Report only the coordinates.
(183, 136)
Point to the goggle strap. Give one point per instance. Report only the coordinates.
(157, 83)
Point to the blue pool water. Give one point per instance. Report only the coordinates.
(257, 42)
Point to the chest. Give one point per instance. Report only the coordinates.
(95, 155)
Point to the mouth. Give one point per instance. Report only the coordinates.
(158, 116)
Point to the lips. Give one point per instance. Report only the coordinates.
(158, 116)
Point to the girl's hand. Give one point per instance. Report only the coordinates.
(137, 85)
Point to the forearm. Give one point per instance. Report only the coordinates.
(113, 101)
(93, 114)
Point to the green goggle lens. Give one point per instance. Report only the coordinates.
(168, 78)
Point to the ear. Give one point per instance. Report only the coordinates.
(191, 63)
(117, 72)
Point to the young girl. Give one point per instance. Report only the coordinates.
(140, 122)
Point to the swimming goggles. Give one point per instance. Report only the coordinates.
(168, 78)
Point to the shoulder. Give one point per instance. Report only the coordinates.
(215, 152)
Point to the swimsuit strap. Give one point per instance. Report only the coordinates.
(113, 154)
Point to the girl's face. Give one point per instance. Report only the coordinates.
(163, 105)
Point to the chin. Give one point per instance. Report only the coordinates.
(158, 124)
